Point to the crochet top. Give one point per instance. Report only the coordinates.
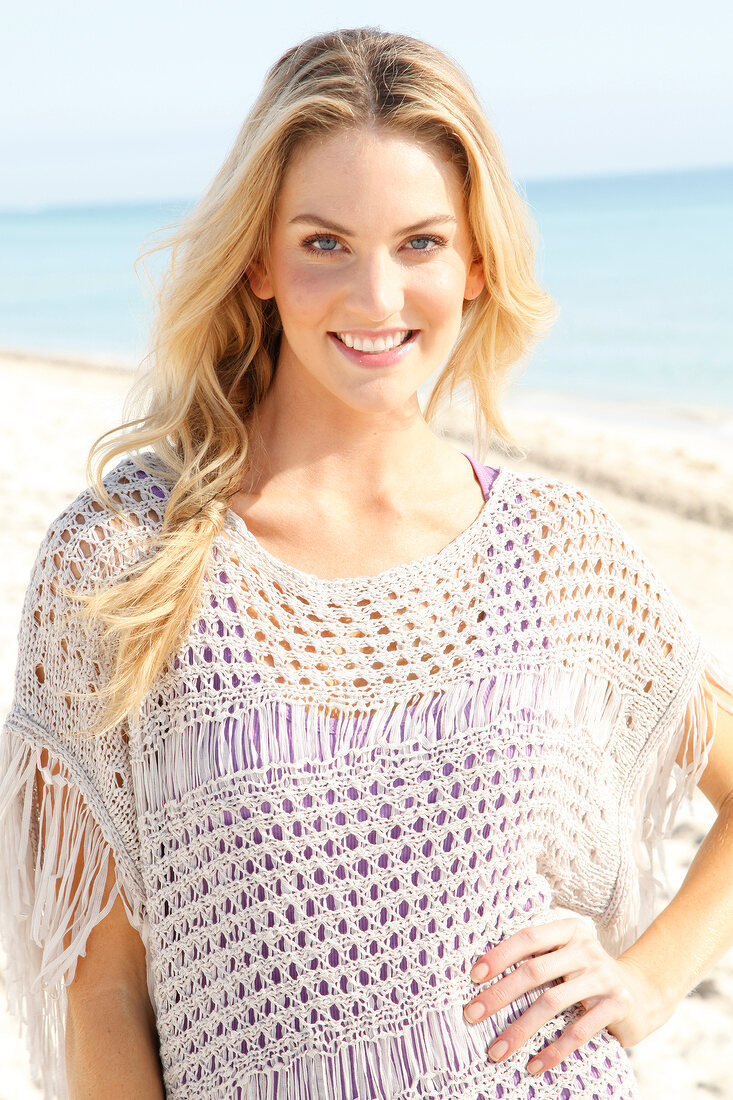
(340, 792)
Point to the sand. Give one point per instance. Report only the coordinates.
(670, 485)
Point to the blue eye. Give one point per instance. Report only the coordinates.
(430, 240)
(311, 241)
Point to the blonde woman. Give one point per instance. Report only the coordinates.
(338, 759)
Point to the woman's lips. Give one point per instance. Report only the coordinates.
(376, 358)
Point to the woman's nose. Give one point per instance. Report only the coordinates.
(377, 290)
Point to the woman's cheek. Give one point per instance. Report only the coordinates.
(310, 289)
(442, 285)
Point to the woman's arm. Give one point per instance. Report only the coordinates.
(111, 1038)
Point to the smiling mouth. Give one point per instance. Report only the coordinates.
(370, 349)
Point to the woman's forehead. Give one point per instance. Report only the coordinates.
(348, 168)
(366, 140)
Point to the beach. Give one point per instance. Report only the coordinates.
(664, 471)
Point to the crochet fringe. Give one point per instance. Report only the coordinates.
(660, 786)
(45, 917)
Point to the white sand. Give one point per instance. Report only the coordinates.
(661, 484)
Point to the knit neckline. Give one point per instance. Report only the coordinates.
(275, 566)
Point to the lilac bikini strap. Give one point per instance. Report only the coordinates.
(486, 475)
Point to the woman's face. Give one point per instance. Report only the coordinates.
(370, 242)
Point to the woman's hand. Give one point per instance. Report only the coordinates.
(616, 993)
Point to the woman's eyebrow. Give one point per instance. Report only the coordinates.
(314, 219)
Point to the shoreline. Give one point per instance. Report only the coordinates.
(517, 391)
(91, 361)
(530, 395)
(677, 457)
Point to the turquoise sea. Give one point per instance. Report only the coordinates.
(641, 267)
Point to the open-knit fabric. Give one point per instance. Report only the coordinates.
(340, 792)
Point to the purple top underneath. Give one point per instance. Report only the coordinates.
(485, 475)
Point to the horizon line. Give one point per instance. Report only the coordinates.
(522, 180)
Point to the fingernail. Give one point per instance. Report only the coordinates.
(499, 1049)
(473, 1012)
(535, 1065)
(479, 973)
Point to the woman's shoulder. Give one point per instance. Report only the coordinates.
(93, 534)
(574, 527)
(597, 572)
(558, 506)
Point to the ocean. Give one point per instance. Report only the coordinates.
(640, 266)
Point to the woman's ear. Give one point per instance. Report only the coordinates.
(475, 280)
(259, 280)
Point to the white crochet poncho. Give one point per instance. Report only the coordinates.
(340, 792)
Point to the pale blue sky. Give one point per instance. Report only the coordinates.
(141, 100)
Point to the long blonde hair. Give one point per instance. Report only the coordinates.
(214, 344)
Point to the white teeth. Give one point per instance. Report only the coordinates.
(382, 343)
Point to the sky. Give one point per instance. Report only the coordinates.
(142, 100)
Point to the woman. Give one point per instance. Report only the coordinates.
(326, 734)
